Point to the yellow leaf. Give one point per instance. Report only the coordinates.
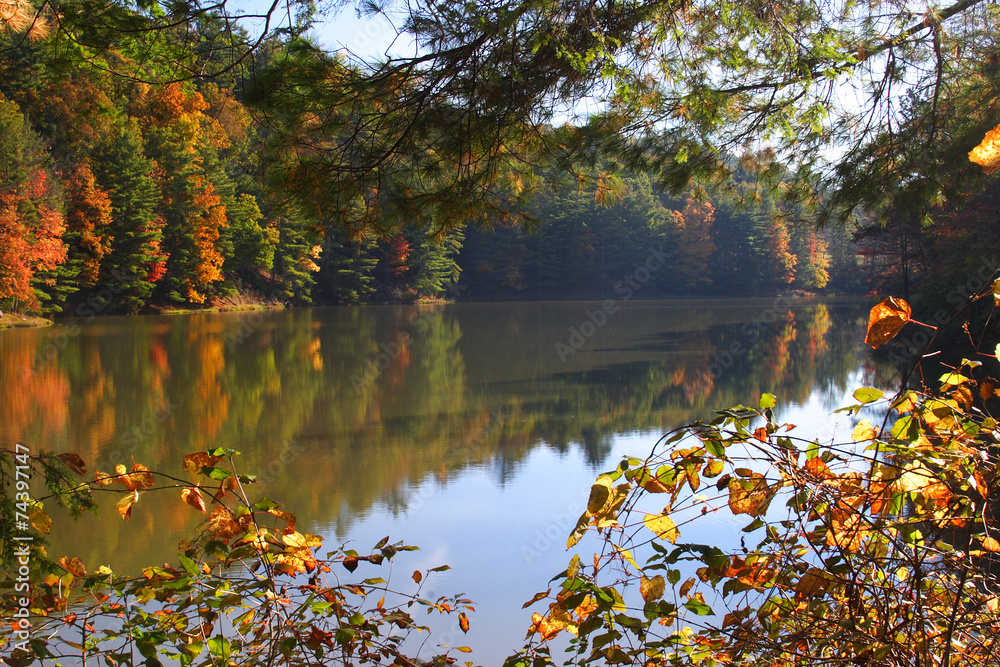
(662, 526)
(627, 555)
(886, 319)
(599, 494)
(652, 589)
(863, 431)
(39, 519)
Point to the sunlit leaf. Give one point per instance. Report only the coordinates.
(222, 524)
(192, 496)
(867, 394)
(124, 506)
(886, 319)
(767, 401)
(39, 519)
(987, 153)
(749, 496)
(863, 431)
(463, 622)
(991, 544)
(417, 576)
(662, 526)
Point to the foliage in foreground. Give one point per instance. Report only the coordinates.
(878, 551)
(248, 589)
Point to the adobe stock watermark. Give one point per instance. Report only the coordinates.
(597, 318)
(21, 625)
(418, 322)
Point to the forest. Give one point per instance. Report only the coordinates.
(122, 196)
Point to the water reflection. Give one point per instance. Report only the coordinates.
(343, 412)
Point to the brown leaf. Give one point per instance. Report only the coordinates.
(192, 496)
(73, 565)
(812, 584)
(986, 388)
(687, 586)
(652, 589)
(288, 517)
(886, 319)
(417, 577)
(193, 463)
(749, 496)
(351, 563)
(74, 463)
(124, 506)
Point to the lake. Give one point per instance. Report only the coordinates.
(472, 430)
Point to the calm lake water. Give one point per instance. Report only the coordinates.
(471, 430)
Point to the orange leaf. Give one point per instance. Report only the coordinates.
(886, 319)
(987, 153)
(819, 468)
(991, 544)
(417, 576)
(192, 496)
(124, 506)
(761, 434)
(222, 524)
(463, 622)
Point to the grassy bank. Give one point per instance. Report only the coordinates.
(11, 320)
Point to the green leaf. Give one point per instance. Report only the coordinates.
(220, 647)
(189, 566)
(216, 473)
(868, 395)
(905, 428)
(767, 401)
(265, 504)
(697, 607)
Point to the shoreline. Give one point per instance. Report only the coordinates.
(15, 321)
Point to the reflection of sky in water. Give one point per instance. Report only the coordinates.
(504, 542)
(478, 444)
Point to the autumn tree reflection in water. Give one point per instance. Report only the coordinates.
(472, 385)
